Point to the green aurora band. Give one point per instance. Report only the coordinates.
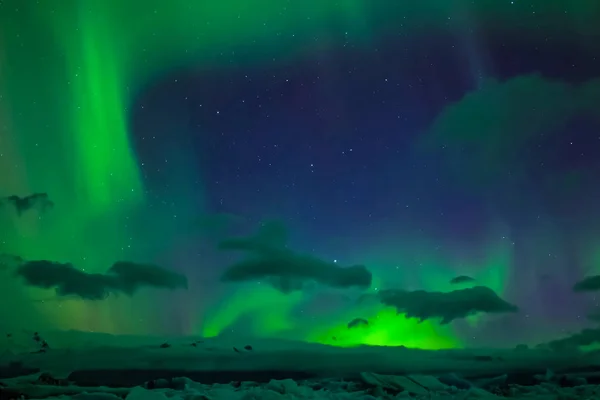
(71, 70)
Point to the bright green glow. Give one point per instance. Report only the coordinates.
(269, 309)
(100, 53)
(386, 328)
(271, 314)
(85, 68)
(70, 71)
(107, 168)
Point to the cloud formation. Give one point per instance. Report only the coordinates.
(490, 132)
(586, 337)
(123, 277)
(461, 279)
(446, 305)
(39, 201)
(588, 284)
(269, 259)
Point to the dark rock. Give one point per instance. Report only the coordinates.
(454, 380)
(136, 377)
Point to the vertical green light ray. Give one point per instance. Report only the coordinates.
(71, 70)
(107, 171)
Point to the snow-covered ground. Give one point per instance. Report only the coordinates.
(98, 366)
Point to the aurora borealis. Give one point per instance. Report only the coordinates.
(423, 141)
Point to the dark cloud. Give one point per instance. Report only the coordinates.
(289, 265)
(269, 259)
(66, 279)
(133, 276)
(39, 201)
(589, 284)
(490, 133)
(122, 277)
(445, 305)
(594, 316)
(357, 323)
(461, 279)
(585, 337)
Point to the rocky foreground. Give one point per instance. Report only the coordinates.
(139, 368)
(366, 386)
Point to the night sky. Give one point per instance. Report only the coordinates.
(425, 142)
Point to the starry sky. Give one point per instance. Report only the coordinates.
(424, 141)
